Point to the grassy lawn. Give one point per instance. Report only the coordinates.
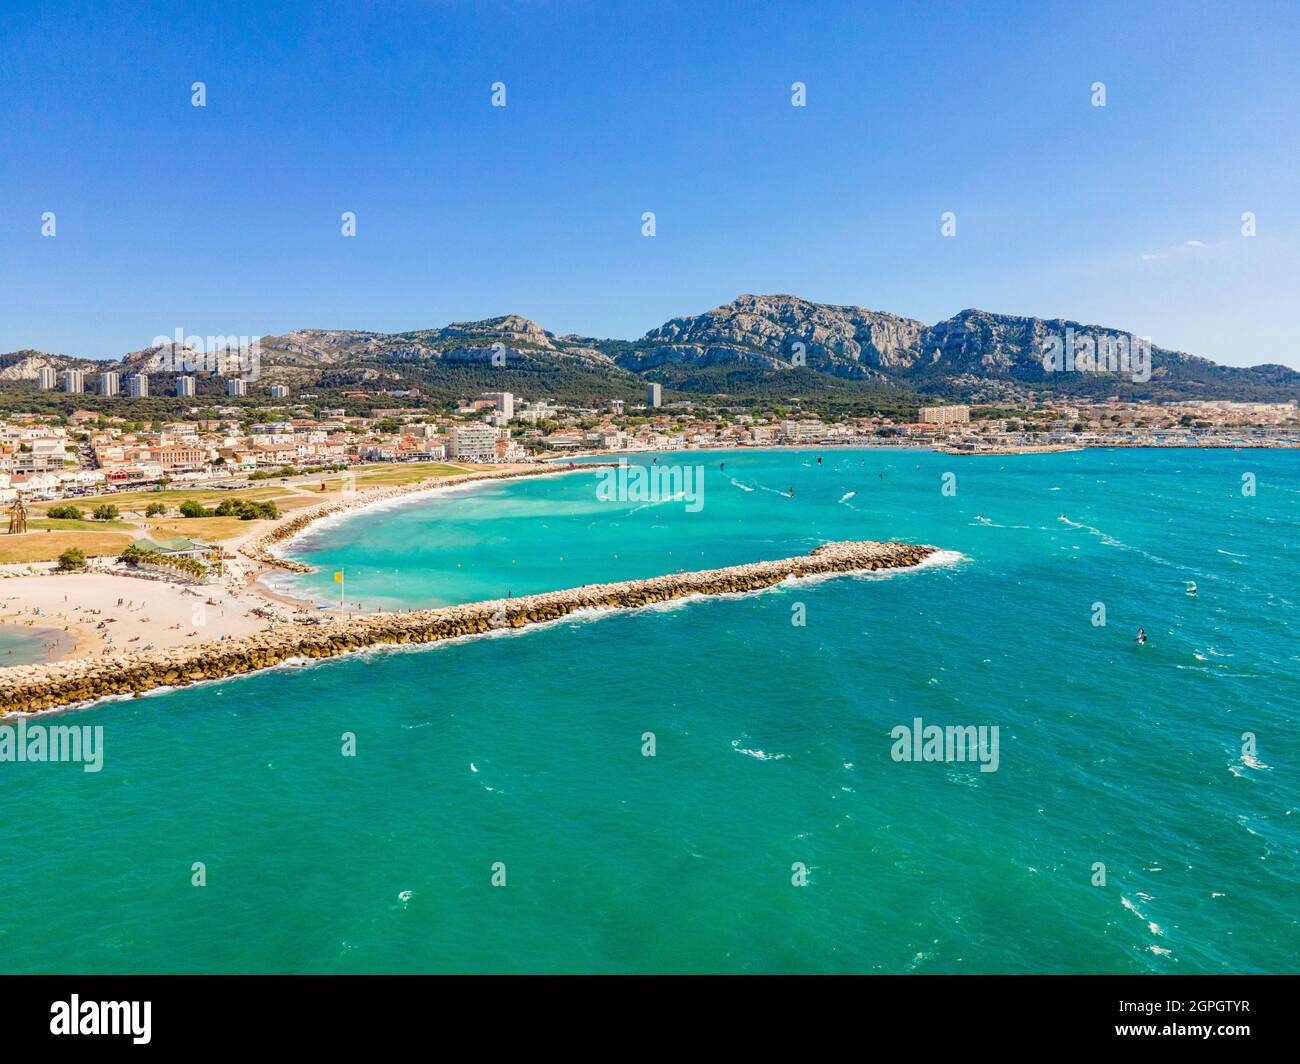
(288, 497)
(61, 525)
(47, 546)
(396, 475)
(208, 529)
(138, 500)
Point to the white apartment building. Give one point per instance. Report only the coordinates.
(945, 415)
(473, 443)
(803, 430)
(46, 455)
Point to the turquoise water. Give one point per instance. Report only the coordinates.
(20, 645)
(772, 743)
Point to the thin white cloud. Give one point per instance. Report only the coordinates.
(1174, 252)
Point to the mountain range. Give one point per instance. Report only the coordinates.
(755, 347)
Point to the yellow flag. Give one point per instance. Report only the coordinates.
(338, 577)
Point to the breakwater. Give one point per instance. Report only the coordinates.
(32, 688)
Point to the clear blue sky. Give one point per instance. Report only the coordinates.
(225, 219)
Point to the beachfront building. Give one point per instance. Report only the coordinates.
(137, 386)
(181, 459)
(503, 401)
(74, 381)
(945, 415)
(47, 378)
(44, 455)
(473, 443)
(177, 547)
(109, 383)
(805, 431)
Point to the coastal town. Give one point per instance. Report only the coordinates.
(92, 452)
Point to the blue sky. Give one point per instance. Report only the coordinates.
(225, 219)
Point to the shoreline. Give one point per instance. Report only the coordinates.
(76, 682)
(258, 546)
(110, 607)
(1052, 448)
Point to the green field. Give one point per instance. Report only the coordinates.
(61, 525)
(93, 536)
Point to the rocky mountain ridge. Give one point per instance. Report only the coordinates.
(752, 340)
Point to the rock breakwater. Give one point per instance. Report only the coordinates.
(33, 688)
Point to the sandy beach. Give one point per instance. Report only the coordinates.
(108, 612)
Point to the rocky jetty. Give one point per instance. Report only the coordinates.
(33, 688)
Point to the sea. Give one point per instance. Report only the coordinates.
(717, 785)
(20, 645)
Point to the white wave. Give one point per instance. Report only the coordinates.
(1111, 541)
(682, 496)
(758, 755)
(1152, 926)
